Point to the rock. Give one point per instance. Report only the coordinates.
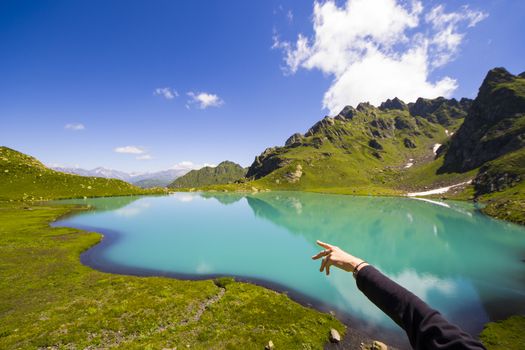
(377, 155)
(323, 124)
(409, 143)
(377, 345)
(395, 103)
(335, 337)
(348, 112)
(440, 110)
(294, 140)
(294, 176)
(383, 127)
(269, 346)
(374, 144)
(365, 107)
(267, 162)
(403, 123)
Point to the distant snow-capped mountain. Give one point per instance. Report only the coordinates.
(159, 178)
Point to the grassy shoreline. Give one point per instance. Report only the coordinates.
(500, 205)
(49, 299)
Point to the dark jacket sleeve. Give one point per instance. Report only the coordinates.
(426, 328)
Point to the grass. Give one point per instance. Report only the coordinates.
(507, 205)
(505, 335)
(49, 299)
(24, 178)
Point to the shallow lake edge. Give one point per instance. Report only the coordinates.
(108, 237)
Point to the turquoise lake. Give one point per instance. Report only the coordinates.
(468, 266)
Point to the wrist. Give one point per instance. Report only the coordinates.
(358, 267)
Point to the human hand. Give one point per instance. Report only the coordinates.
(337, 257)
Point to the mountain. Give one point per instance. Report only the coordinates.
(494, 126)
(225, 172)
(97, 172)
(157, 179)
(362, 149)
(23, 177)
(144, 180)
(399, 147)
(492, 142)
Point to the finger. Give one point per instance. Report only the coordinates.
(320, 254)
(325, 245)
(327, 269)
(323, 264)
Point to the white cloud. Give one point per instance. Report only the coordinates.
(289, 16)
(379, 49)
(74, 126)
(130, 150)
(144, 157)
(446, 40)
(188, 165)
(204, 100)
(166, 92)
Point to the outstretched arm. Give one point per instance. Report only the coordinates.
(426, 328)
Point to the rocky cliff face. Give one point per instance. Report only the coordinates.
(494, 126)
(440, 110)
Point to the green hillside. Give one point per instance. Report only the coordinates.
(25, 178)
(361, 150)
(224, 173)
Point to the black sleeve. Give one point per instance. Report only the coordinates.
(425, 327)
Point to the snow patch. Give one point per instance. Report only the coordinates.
(436, 147)
(437, 190)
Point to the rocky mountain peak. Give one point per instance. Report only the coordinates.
(494, 124)
(347, 113)
(394, 103)
(294, 140)
(365, 107)
(497, 75)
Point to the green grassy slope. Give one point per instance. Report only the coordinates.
(48, 299)
(500, 184)
(365, 151)
(24, 178)
(225, 172)
(504, 335)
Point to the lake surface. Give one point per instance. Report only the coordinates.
(466, 265)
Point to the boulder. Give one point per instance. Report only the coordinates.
(269, 346)
(377, 345)
(335, 337)
(409, 143)
(295, 176)
(374, 144)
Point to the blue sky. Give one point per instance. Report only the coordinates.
(84, 82)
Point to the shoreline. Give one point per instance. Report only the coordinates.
(108, 237)
(393, 193)
(394, 339)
